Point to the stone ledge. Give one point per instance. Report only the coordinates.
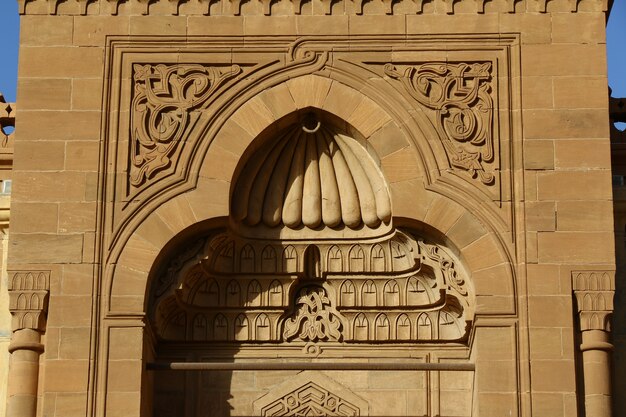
(297, 7)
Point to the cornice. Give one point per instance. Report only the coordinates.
(319, 7)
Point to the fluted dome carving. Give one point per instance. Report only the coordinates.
(314, 175)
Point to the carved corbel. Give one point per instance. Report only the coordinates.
(574, 5)
(235, 7)
(480, 6)
(53, 6)
(542, 5)
(267, 7)
(296, 6)
(328, 6)
(511, 4)
(420, 5)
(174, 6)
(115, 6)
(359, 5)
(450, 6)
(83, 6)
(594, 292)
(28, 303)
(146, 6)
(388, 6)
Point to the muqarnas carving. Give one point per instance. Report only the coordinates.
(460, 96)
(167, 100)
(323, 266)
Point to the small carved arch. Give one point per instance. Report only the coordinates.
(22, 302)
(176, 326)
(220, 327)
(369, 294)
(35, 302)
(312, 262)
(233, 294)
(246, 260)
(378, 262)
(399, 257)
(587, 302)
(241, 328)
(200, 329)
(335, 259)
(449, 328)
(361, 327)
(424, 327)
(391, 294)
(262, 327)
(276, 294)
(207, 294)
(403, 327)
(382, 327)
(357, 259)
(253, 296)
(290, 259)
(417, 294)
(225, 262)
(347, 296)
(268, 259)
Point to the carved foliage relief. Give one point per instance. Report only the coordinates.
(166, 101)
(459, 94)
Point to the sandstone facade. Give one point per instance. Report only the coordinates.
(274, 208)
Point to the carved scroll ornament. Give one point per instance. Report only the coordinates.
(164, 101)
(315, 318)
(459, 93)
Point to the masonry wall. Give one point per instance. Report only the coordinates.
(562, 219)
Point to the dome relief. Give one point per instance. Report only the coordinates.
(313, 175)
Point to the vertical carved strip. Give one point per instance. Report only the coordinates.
(594, 292)
(28, 303)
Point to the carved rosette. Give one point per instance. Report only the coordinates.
(460, 96)
(594, 292)
(28, 299)
(166, 103)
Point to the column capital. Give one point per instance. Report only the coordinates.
(594, 292)
(28, 299)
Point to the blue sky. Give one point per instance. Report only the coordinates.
(9, 36)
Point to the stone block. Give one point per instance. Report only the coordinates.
(576, 247)
(580, 93)
(61, 62)
(82, 156)
(553, 375)
(40, 155)
(563, 60)
(466, 230)
(34, 217)
(541, 216)
(537, 92)
(74, 343)
(69, 375)
(77, 217)
(574, 185)
(577, 154)
(86, 94)
(59, 125)
(77, 279)
(92, 30)
(539, 154)
(48, 186)
(45, 248)
(125, 343)
(566, 124)
(544, 279)
(583, 28)
(45, 94)
(550, 311)
(57, 29)
(584, 216)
